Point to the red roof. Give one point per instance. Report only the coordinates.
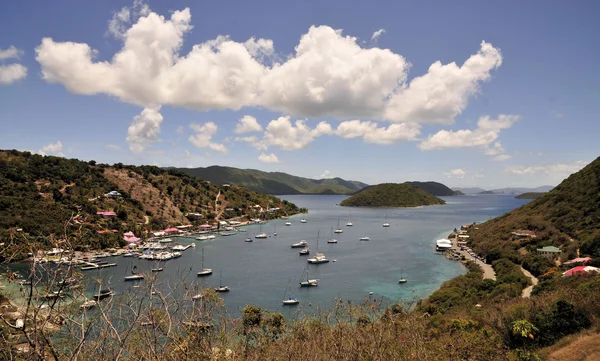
(576, 270)
(579, 260)
(170, 230)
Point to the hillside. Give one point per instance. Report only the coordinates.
(274, 182)
(392, 195)
(567, 217)
(48, 197)
(530, 195)
(468, 190)
(435, 188)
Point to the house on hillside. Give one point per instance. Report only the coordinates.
(112, 194)
(580, 270)
(549, 252)
(582, 260)
(106, 214)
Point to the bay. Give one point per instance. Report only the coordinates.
(258, 272)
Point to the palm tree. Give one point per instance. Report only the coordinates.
(524, 329)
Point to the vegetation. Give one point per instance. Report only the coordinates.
(435, 188)
(392, 195)
(530, 195)
(45, 197)
(274, 182)
(566, 217)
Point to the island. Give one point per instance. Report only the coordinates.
(392, 195)
(530, 195)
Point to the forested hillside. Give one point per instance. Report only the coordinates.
(45, 198)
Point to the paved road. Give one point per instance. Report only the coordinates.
(534, 281)
(488, 270)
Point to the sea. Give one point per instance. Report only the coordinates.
(259, 272)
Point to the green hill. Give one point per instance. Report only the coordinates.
(273, 182)
(567, 217)
(392, 195)
(530, 195)
(44, 197)
(435, 188)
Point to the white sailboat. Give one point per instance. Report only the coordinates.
(287, 299)
(338, 229)
(307, 282)
(386, 224)
(275, 230)
(303, 220)
(288, 223)
(402, 279)
(221, 288)
(260, 234)
(134, 276)
(319, 257)
(205, 271)
(331, 239)
(365, 239)
(349, 224)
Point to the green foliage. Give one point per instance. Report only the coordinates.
(530, 195)
(537, 264)
(392, 195)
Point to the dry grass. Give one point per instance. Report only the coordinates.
(584, 346)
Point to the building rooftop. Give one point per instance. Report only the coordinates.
(551, 249)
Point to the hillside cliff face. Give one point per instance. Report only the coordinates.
(392, 195)
(435, 188)
(567, 217)
(274, 182)
(46, 198)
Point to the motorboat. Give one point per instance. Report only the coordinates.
(197, 297)
(261, 235)
(202, 238)
(442, 245)
(205, 271)
(134, 277)
(288, 223)
(248, 240)
(211, 236)
(227, 233)
(159, 269)
(165, 240)
(301, 244)
(365, 239)
(303, 220)
(304, 251)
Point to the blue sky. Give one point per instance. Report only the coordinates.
(467, 93)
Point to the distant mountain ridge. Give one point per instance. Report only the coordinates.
(274, 182)
(507, 190)
(435, 188)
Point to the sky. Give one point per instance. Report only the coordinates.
(469, 93)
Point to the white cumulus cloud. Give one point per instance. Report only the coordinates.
(247, 124)
(144, 129)
(52, 149)
(268, 158)
(10, 52)
(562, 170)
(486, 133)
(443, 93)
(282, 133)
(328, 74)
(203, 137)
(372, 133)
(456, 173)
(12, 73)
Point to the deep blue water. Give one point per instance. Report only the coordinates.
(258, 272)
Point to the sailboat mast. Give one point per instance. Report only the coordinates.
(202, 262)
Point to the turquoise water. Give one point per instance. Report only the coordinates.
(258, 272)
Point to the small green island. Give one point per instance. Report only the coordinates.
(392, 195)
(530, 195)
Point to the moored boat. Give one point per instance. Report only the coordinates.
(301, 244)
(204, 271)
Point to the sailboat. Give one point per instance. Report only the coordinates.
(289, 300)
(331, 239)
(205, 271)
(304, 251)
(307, 282)
(303, 220)
(386, 224)
(221, 288)
(349, 224)
(260, 234)
(402, 279)
(338, 229)
(275, 230)
(319, 257)
(134, 276)
(157, 268)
